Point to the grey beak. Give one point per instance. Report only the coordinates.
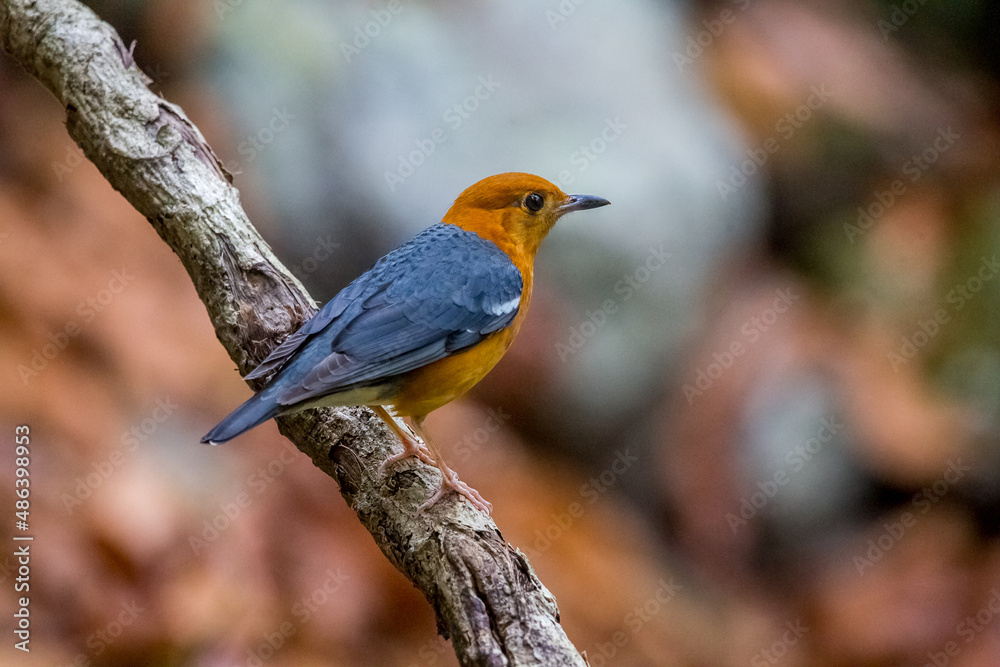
(581, 203)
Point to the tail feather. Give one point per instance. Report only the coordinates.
(254, 412)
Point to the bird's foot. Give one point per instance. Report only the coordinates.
(411, 447)
(423, 449)
(451, 482)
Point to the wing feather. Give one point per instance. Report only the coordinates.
(443, 291)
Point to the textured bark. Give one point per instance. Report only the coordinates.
(484, 593)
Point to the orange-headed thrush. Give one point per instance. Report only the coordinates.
(424, 324)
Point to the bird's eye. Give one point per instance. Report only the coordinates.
(534, 202)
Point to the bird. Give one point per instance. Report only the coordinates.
(427, 322)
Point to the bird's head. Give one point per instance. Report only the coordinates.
(515, 210)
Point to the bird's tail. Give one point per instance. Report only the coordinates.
(254, 412)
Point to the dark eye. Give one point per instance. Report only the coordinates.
(534, 202)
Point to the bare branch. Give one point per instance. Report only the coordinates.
(484, 592)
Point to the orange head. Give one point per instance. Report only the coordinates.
(515, 211)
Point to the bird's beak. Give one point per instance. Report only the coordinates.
(581, 203)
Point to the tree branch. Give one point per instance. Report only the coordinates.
(484, 592)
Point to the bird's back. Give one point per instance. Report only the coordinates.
(442, 292)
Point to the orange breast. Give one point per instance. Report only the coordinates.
(429, 387)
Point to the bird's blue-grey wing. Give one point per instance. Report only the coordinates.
(445, 290)
(280, 355)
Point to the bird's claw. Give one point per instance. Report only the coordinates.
(418, 447)
(451, 482)
(410, 448)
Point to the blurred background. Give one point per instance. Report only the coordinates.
(752, 418)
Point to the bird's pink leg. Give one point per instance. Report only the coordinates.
(429, 454)
(449, 478)
(411, 445)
